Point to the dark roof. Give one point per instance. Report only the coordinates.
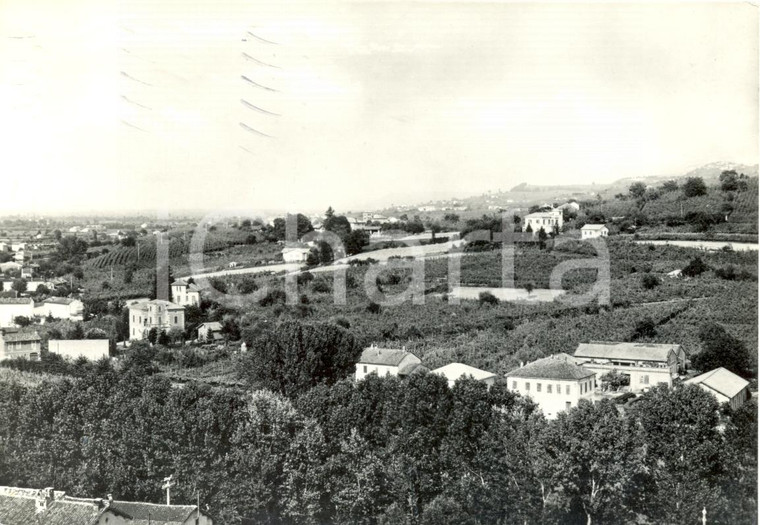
(22, 510)
(59, 300)
(382, 356)
(15, 300)
(553, 367)
(632, 351)
(157, 512)
(20, 337)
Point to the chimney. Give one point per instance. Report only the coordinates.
(44, 499)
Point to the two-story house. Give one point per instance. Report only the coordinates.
(555, 383)
(646, 364)
(158, 314)
(386, 362)
(16, 343)
(547, 220)
(184, 293)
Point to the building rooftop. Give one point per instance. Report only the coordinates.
(143, 305)
(593, 227)
(16, 300)
(553, 367)
(19, 337)
(19, 507)
(454, 371)
(157, 513)
(214, 325)
(720, 380)
(60, 300)
(383, 356)
(629, 351)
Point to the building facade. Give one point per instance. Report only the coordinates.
(91, 349)
(15, 343)
(724, 385)
(592, 231)
(185, 294)
(454, 371)
(158, 314)
(10, 308)
(555, 383)
(645, 364)
(547, 220)
(386, 362)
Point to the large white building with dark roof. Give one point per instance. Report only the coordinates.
(646, 364)
(386, 362)
(555, 383)
(158, 314)
(726, 386)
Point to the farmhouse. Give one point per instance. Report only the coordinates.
(10, 308)
(646, 364)
(726, 386)
(454, 371)
(386, 362)
(158, 314)
(22, 506)
(15, 343)
(555, 383)
(210, 332)
(184, 293)
(295, 254)
(91, 349)
(592, 231)
(543, 219)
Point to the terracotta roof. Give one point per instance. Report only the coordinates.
(720, 380)
(553, 367)
(631, 351)
(382, 356)
(158, 513)
(454, 371)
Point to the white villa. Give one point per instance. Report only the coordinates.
(591, 231)
(61, 308)
(555, 383)
(454, 371)
(158, 314)
(726, 386)
(386, 362)
(646, 364)
(185, 294)
(543, 219)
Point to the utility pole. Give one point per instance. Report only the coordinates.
(168, 484)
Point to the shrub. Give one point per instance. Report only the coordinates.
(487, 298)
(695, 267)
(649, 281)
(373, 308)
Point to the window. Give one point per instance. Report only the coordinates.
(646, 379)
(514, 385)
(567, 405)
(548, 389)
(527, 386)
(567, 390)
(365, 369)
(133, 318)
(538, 387)
(175, 319)
(559, 388)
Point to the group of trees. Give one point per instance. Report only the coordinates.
(383, 451)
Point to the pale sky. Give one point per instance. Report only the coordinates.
(249, 104)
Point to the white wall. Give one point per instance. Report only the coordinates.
(551, 401)
(363, 370)
(92, 349)
(9, 311)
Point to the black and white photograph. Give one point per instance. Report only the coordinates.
(364, 262)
